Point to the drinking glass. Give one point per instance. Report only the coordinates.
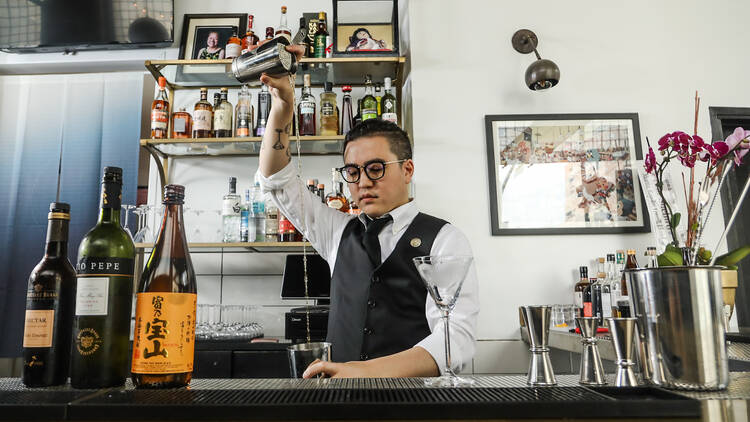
(443, 276)
(125, 226)
(141, 234)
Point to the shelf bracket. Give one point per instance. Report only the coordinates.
(157, 158)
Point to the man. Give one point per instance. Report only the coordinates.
(381, 322)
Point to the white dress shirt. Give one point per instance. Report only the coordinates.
(324, 226)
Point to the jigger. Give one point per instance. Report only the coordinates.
(536, 322)
(592, 372)
(623, 334)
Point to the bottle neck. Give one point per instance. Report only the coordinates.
(171, 239)
(57, 238)
(109, 205)
(162, 94)
(368, 90)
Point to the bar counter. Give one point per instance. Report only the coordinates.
(491, 398)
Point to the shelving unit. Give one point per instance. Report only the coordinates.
(243, 247)
(193, 74)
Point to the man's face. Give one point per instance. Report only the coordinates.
(213, 39)
(378, 197)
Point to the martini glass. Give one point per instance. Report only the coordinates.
(443, 275)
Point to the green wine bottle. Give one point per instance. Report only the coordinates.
(104, 295)
(49, 307)
(369, 103)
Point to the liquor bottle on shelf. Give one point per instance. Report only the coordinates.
(258, 216)
(336, 199)
(223, 116)
(269, 33)
(321, 190)
(369, 103)
(588, 306)
(243, 126)
(358, 117)
(160, 112)
(234, 45)
(596, 299)
(230, 213)
(620, 259)
(104, 292)
(388, 104)
(245, 219)
(354, 208)
(272, 223)
(652, 257)
(347, 118)
(613, 280)
(306, 109)
(606, 283)
(182, 124)
(286, 229)
(583, 283)
(49, 307)
(312, 186)
(329, 116)
(305, 41)
(264, 109)
(284, 29)
(203, 116)
(630, 263)
(250, 40)
(164, 337)
(378, 96)
(320, 37)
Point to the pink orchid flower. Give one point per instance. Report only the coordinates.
(650, 162)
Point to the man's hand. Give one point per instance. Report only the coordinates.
(414, 362)
(280, 87)
(340, 370)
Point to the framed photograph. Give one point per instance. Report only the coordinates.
(365, 28)
(565, 174)
(204, 36)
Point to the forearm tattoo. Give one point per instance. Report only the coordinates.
(287, 128)
(278, 145)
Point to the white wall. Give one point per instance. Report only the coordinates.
(637, 56)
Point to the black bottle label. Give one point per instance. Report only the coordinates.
(111, 195)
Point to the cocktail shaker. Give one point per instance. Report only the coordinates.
(270, 58)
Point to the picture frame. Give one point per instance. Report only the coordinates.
(565, 174)
(196, 29)
(365, 28)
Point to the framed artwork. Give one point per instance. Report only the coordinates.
(365, 28)
(204, 36)
(565, 174)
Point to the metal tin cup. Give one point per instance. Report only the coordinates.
(679, 316)
(303, 354)
(270, 58)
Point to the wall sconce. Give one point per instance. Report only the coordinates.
(543, 73)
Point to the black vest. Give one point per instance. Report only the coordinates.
(378, 311)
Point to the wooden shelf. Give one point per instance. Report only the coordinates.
(258, 247)
(183, 74)
(250, 146)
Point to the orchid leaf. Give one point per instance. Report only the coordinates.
(675, 220)
(731, 258)
(671, 257)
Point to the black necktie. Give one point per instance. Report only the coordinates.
(370, 239)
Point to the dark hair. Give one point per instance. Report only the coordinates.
(353, 40)
(398, 139)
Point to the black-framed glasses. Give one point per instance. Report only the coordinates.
(374, 170)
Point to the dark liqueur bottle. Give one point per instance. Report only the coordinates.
(164, 339)
(104, 295)
(49, 307)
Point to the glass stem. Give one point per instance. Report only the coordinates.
(446, 323)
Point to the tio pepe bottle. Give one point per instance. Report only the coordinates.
(104, 292)
(164, 338)
(49, 307)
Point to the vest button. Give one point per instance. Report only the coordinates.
(370, 303)
(376, 279)
(363, 356)
(367, 330)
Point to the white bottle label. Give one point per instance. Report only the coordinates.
(202, 119)
(230, 207)
(222, 120)
(391, 117)
(307, 108)
(179, 124)
(92, 295)
(232, 50)
(579, 299)
(335, 203)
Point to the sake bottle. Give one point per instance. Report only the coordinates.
(164, 339)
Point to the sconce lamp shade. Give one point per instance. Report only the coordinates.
(542, 74)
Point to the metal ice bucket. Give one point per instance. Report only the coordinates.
(679, 316)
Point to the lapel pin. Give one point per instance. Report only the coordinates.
(415, 242)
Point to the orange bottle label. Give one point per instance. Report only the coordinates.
(164, 339)
(38, 328)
